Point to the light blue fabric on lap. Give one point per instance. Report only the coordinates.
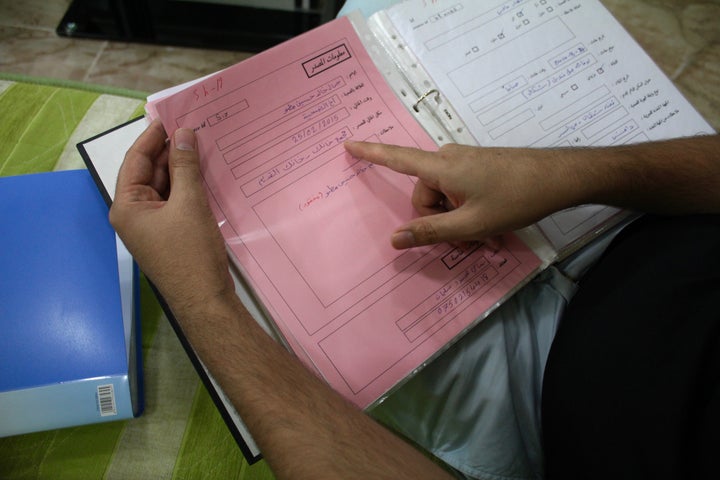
(476, 406)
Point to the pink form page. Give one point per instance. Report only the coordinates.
(309, 225)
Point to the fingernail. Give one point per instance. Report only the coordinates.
(184, 139)
(403, 239)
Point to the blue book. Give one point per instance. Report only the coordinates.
(69, 348)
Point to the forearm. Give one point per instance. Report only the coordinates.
(304, 429)
(670, 177)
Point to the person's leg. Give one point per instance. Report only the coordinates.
(476, 406)
(632, 383)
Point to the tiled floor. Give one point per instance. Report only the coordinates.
(30, 46)
(682, 36)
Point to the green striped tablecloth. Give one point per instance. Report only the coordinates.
(180, 435)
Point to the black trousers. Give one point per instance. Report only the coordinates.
(632, 383)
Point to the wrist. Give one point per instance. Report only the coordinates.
(195, 296)
(602, 175)
(198, 321)
(563, 178)
(220, 304)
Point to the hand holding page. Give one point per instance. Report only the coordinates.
(309, 225)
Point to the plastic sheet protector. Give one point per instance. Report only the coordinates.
(544, 73)
(309, 225)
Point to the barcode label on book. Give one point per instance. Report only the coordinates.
(106, 400)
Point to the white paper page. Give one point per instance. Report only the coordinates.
(107, 152)
(125, 274)
(545, 73)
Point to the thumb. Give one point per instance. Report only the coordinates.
(452, 226)
(183, 163)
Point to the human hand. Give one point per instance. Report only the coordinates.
(466, 194)
(160, 211)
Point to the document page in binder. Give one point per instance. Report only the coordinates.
(309, 225)
(545, 73)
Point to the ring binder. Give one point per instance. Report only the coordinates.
(424, 96)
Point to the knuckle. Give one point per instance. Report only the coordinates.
(426, 233)
(448, 150)
(184, 159)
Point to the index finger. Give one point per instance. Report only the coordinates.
(138, 165)
(407, 160)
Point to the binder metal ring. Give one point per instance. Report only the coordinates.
(424, 96)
